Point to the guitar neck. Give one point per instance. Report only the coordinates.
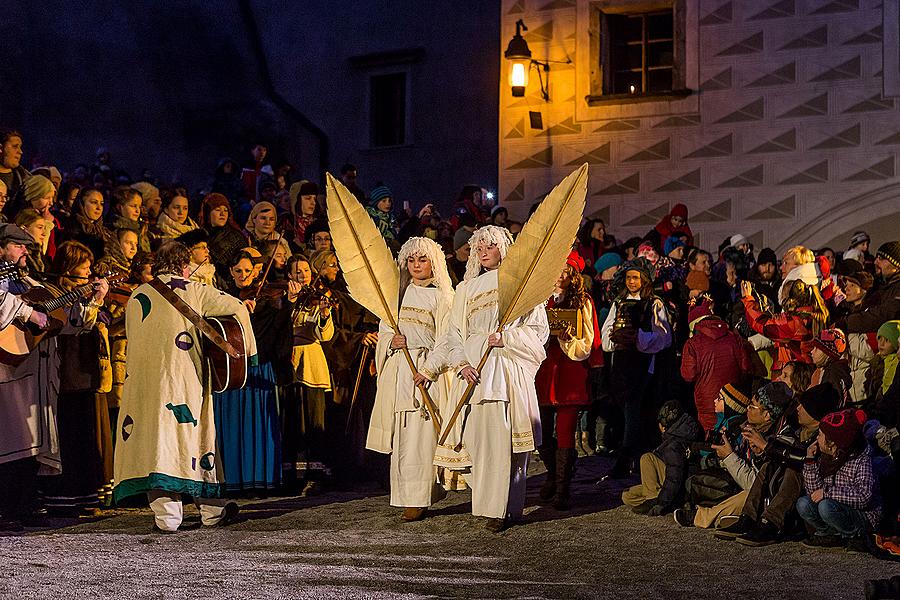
(67, 298)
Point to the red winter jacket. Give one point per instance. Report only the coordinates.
(791, 333)
(712, 357)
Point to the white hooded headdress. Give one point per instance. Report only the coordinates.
(422, 246)
(489, 235)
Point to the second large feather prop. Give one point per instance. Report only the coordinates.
(369, 268)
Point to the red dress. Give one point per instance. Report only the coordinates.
(562, 381)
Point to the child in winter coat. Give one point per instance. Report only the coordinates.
(828, 355)
(881, 405)
(663, 471)
(842, 502)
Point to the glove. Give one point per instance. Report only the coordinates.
(885, 438)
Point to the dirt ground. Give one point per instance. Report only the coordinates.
(352, 545)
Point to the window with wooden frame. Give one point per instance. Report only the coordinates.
(641, 49)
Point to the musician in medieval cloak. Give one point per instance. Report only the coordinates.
(401, 425)
(29, 444)
(500, 426)
(166, 435)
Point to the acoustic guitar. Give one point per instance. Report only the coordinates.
(19, 339)
(227, 372)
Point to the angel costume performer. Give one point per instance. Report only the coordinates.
(400, 424)
(500, 426)
(166, 435)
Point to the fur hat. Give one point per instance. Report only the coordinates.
(890, 251)
(774, 398)
(820, 400)
(832, 342)
(843, 428)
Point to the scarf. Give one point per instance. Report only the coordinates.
(890, 370)
(385, 221)
(171, 229)
(92, 228)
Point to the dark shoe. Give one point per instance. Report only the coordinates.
(859, 544)
(11, 525)
(565, 469)
(644, 507)
(229, 515)
(823, 541)
(495, 525)
(883, 589)
(602, 450)
(621, 470)
(764, 534)
(413, 513)
(739, 527)
(159, 531)
(684, 516)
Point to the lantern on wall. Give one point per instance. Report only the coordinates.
(519, 55)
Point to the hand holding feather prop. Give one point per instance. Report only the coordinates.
(372, 275)
(528, 274)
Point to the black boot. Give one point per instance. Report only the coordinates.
(548, 457)
(565, 468)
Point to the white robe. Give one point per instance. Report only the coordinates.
(501, 424)
(399, 425)
(166, 434)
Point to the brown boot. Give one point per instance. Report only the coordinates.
(586, 444)
(565, 469)
(413, 513)
(548, 457)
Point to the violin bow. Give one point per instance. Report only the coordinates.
(262, 280)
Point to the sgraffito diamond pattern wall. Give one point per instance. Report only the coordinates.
(789, 138)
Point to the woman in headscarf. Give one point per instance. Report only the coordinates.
(261, 226)
(305, 209)
(225, 236)
(40, 194)
(126, 214)
(400, 425)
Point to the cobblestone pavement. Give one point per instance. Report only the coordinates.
(352, 545)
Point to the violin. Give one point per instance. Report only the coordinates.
(270, 290)
(316, 294)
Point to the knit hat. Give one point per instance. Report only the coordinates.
(891, 332)
(193, 237)
(736, 240)
(890, 251)
(679, 210)
(10, 232)
(832, 342)
(767, 256)
(700, 311)
(858, 238)
(736, 399)
(842, 428)
(639, 264)
(697, 280)
(379, 193)
(854, 271)
(575, 261)
(317, 226)
(607, 260)
(37, 187)
(774, 398)
(672, 242)
(820, 400)
(461, 238)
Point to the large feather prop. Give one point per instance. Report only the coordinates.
(528, 274)
(370, 270)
